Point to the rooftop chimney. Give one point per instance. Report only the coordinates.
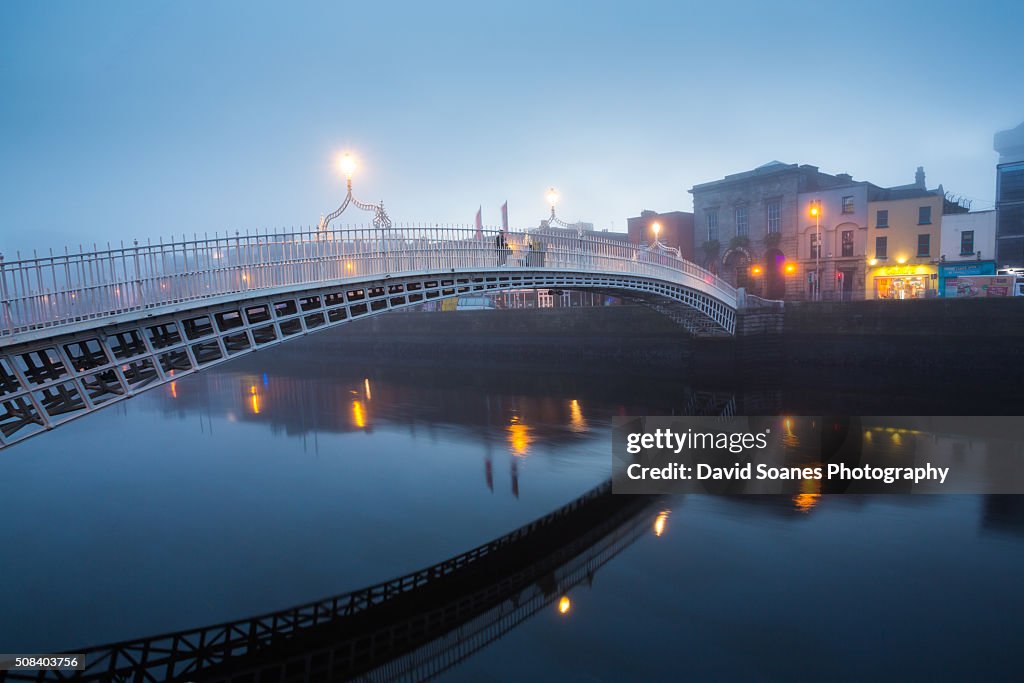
(919, 177)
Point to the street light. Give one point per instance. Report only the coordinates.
(553, 220)
(347, 164)
(816, 212)
(552, 198)
(656, 228)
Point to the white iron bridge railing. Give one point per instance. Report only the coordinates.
(68, 288)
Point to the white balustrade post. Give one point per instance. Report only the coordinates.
(5, 300)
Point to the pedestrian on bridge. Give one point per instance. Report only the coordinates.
(501, 249)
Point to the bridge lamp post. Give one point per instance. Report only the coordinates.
(552, 199)
(656, 229)
(347, 164)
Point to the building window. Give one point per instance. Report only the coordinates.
(924, 215)
(814, 246)
(1011, 221)
(847, 243)
(742, 227)
(881, 247)
(924, 245)
(1010, 183)
(711, 220)
(882, 218)
(848, 204)
(967, 243)
(774, 216)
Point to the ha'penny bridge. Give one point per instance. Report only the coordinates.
(80, 331)
(410, 628)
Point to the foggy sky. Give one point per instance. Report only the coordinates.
(121, 121)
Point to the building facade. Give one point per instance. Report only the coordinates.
(751, 227)
(840, 217)
(968, 236)
(903, 242)
(1010, 197)
(966, 247)
(676, 230)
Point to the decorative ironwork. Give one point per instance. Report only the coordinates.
(381, 220)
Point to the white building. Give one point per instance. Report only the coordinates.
(968, 236)
(843, 215)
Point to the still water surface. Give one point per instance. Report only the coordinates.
(294, 474)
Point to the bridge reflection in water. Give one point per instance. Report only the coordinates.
(410, 628)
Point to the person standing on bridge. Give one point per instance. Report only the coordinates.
(501, 249)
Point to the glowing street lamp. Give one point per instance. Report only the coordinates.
(348, 164)
(656, 229)
(552, 198)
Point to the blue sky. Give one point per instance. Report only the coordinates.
(123, 120)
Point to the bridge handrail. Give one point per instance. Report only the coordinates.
(59, 289)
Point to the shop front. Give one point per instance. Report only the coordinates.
(903, 282)
(949, 272)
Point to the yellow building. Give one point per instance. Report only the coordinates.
(903, 243)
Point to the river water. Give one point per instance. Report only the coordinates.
(297, 473)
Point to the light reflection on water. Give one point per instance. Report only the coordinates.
(292, 475)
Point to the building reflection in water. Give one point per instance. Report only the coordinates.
(308, 397)
(304, 399)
